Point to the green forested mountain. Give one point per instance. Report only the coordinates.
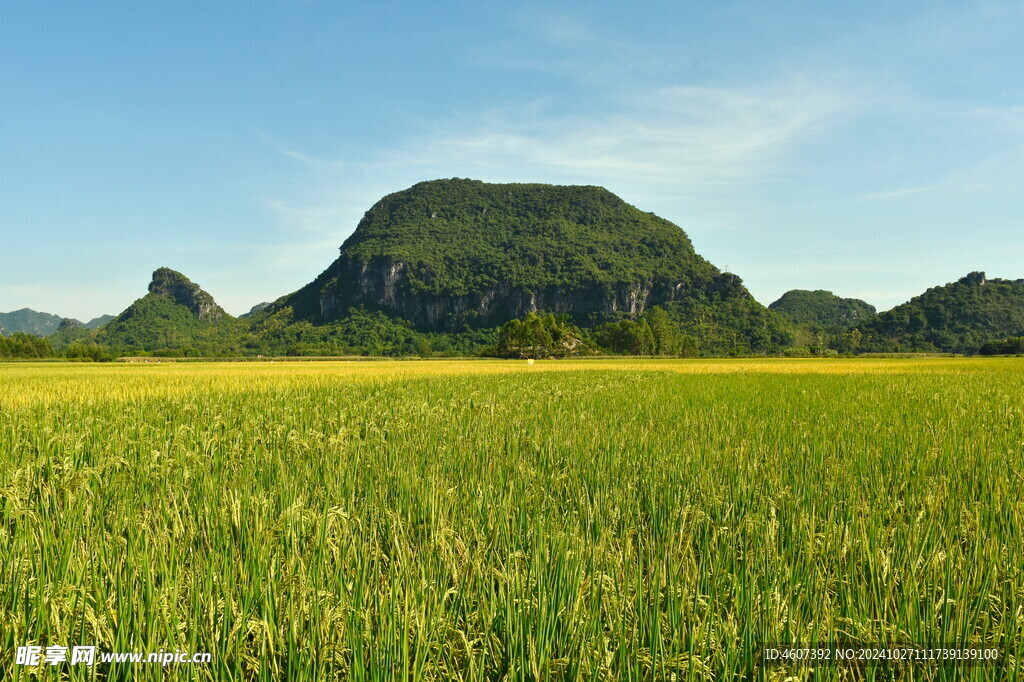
(822, 309)
(97, 322)
(449, 252)
(457, 267)
(69, 332)
(959, 317)
(30, 322)
(450, 255)
(41, 324)
(175, 314)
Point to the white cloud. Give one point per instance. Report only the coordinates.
(669, 145)
(892, 194)
(682, 136)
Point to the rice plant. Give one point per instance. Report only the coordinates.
(569, 520)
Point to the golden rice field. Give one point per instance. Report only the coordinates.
(489, 520)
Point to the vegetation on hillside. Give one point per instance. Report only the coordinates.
(29, 321)
(464, 236)
(822, 309)
(20, 345)
(42, 324)
(969, 316)
(959, 317)
(1010, 346)
(69, 332)
(655, 333)
(449, 253)
(156, 321)
(540, 336)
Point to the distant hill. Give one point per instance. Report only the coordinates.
(255, 309)
(447, 255)
(175, 314)
(98, 322)
(69, 332)
(822, 309)
(41, 324)
(30, 322)
(958, 317)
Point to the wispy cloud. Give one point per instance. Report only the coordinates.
(565, 44)
(678, 141)
(308, 160)
(892, 194)
(561, 28)
(683, 136)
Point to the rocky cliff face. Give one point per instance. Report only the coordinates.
(183, 291)
(380, 284)
(447, 253)
(176, 313)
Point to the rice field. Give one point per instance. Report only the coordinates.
(490, 520)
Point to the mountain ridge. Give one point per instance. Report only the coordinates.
(821, 308)
(957, 317)
(41, 323)
(439, 267)
(445, 253)
(175, 313)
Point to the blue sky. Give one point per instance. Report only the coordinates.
(873, 149)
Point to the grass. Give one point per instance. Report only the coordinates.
(437, 520)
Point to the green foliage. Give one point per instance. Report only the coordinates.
(97, 322)
(1010, 346)
(666, 337)
(157, 321)
(538, 336)
(29, 321)
(822, 309)
(92, 352)
(477, 521)
(43, 324)
(732, 326)
(463, 236)
(360, 332)
(451, 252)
(632, 337)
(960, 317)
(22, 345)
(70, 332)
(723, 321)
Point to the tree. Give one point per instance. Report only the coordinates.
(537, 336)
(666, 336)
(633, 337)
(22, 345)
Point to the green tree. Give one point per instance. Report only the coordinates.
(537, 336)
(665, 333)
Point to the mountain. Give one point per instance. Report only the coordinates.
(97, 322)
(70, 330)
(41, 324)
(255, 309)
(959, 317)
(447, 254)
(175, 314)
(822, 309)
(30, 322)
